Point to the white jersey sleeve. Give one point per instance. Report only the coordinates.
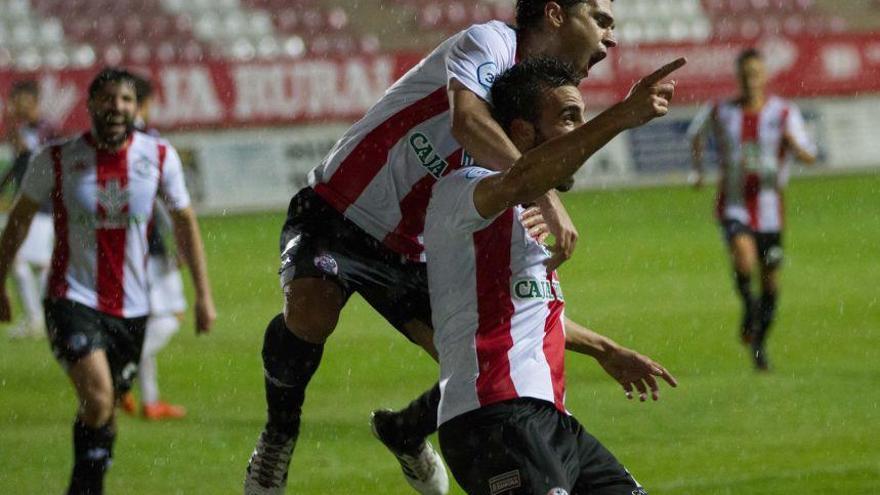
(701, 123)
(173, 187)
(479, 55)
(39, 179)
(454, 195)
(797, 130)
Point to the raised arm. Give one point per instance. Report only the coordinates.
(553, 162)
(629, 368)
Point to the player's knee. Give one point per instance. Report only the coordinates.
(97, 408)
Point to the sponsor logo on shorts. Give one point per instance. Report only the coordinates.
(326, 264)
(486, 74)
(529, 288)
(504, 482)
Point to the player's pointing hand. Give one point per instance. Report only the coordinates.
(649, 98)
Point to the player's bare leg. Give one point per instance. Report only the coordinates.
(744, 256)
(405, 432)
(94, 430)
(292, 348)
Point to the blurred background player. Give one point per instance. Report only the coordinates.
(358, 226)
(167, 300)
(103, 185)
(28, 131)
(756, 134)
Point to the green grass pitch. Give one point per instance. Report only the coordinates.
(650, 272)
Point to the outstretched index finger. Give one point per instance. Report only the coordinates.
(664, 71)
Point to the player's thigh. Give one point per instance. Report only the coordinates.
(398, 290)
(743, 252)
(93, 382)
(600, 472)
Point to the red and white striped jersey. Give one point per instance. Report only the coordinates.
(380, 172)
(497, 314)
(753, 158)
(102, 206)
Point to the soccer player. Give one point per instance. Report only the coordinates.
(167, 301)
(756, 134)
(28, 132)
(103, 185)
(358, 226)
(498, 308)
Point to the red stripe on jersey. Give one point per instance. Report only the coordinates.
(751, 182)
(61, 252)
(405, 238)
(112, 213)
(359, 168)
(494, 309)
(554, 345)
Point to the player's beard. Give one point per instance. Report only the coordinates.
(114, 139)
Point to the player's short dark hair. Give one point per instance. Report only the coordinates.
(530, 12)
(747, 54)
(25, 87)
(112, 74)
(516, 93)
(143, 87)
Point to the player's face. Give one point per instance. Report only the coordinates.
(586, 34)
(752, 76)
(562, 111)
(25, 107)
(112, 110)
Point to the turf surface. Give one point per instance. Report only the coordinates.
(650, 272)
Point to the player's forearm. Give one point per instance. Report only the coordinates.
(16, 230)
(189, 241)
(585, 341)
(553, 162)
(484, 139)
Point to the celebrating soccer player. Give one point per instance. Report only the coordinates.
(756, 134)
(498, 308)
(103, 185)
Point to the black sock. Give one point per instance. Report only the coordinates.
(288, 364)
(416, 421)
(92, 457)
(765, 316)
(744, 288)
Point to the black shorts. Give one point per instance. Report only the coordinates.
(528, 447)
(76, 330)
(769, 244)
(319, 242)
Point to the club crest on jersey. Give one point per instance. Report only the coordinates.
(113, 200)
(424, 150)
(529, 288)
(326, 264)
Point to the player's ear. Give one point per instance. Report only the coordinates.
(523, 134)
(554, 14)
